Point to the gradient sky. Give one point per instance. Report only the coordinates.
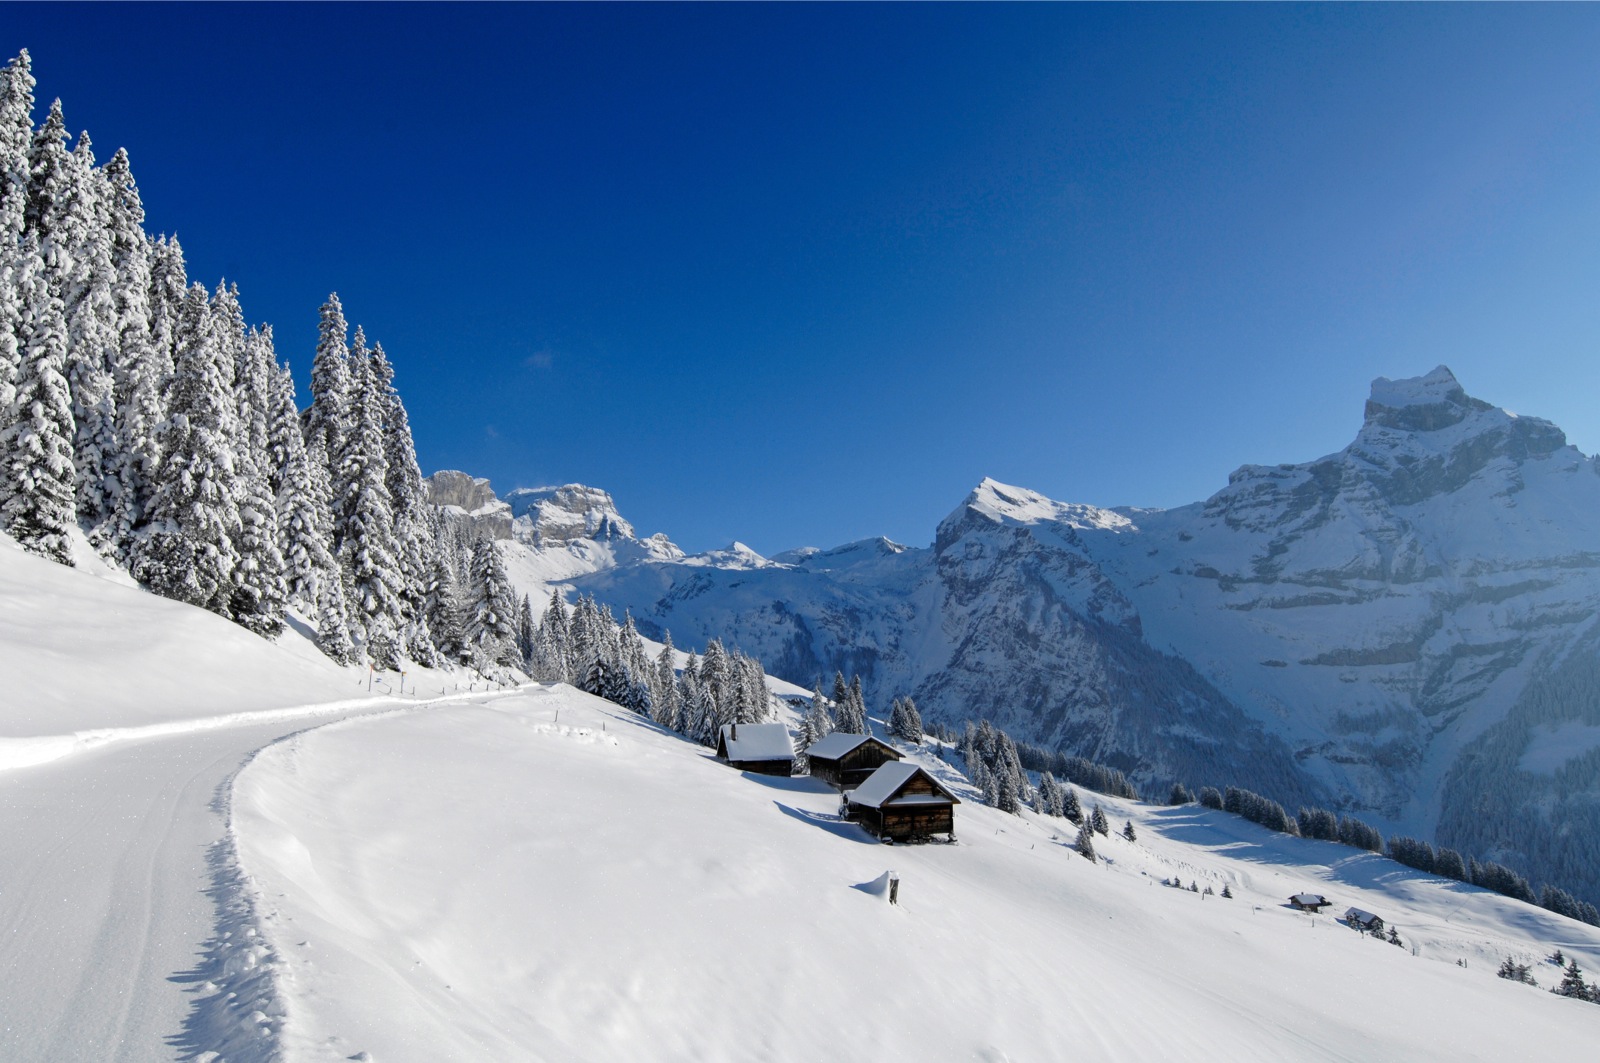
(805, 274)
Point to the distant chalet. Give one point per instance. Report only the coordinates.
(901, 802)
(763, 748)
(1309, 902)
(844, 761)
(1361, 920)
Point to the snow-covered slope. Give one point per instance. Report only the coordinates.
(83, 648)
(1376, 629)
(544, 877)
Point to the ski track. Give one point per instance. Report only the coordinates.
(130, 932)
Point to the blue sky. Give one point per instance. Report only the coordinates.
(805, 274)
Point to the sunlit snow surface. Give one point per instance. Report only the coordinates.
(545, 877)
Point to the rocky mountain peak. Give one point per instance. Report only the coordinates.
(571, 511)
(1421, 404)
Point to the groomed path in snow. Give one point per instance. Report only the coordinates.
(545, 877)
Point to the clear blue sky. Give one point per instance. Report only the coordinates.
(799, 275)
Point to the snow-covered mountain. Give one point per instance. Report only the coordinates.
(1405, 627)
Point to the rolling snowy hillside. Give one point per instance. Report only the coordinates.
(544, 876)
(1376, 630)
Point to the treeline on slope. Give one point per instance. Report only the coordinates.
(1324, 825)
(584, 646)
(1541, 818)
(144, 410)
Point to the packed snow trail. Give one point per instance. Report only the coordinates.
(104, 895)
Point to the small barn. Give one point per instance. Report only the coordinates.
(763, 748)
(844, 761)
(1360, 920)
(1309, 902)
(901, 802)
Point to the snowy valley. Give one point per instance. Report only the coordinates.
(1397, 629)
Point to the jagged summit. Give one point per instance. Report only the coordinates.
(1002, 503)
(571, 511)
(1421, 404)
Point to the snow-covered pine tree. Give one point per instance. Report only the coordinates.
(912, 726)
(186, 552)
(403, 480)
(688, 693)
(1070, 808)
(304, 524)
(1180, 795)
(16, 131)
(491, 610)
(526, 626)
(91, 343)
(1572, 983)
(858, 707)
(1054, 800)
(716, 688)
(1085, 842)
(333, 622)
(442, 606)
(552, 652)
(1128, 831)
(37, 499)
(1097, 820)
(331, 414)
(817, 714)
(139, 369)
(259, 592)
(1006, 799)
(363, 521)
(666, 703)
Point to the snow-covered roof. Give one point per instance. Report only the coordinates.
(757, 741)
(835, 745)
(1357, 915)
(881, 786)
(1309, 898)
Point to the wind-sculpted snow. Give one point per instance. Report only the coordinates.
(1344, 627)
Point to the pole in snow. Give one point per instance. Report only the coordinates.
(894, 888)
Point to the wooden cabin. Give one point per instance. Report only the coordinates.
(901, 802)
(844, 761)
(1360, 920)
(1309, 902)
(763, 748)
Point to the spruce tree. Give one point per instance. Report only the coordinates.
(1128, 831)
(1070, 807)
(305, 525)
(492, 610)
(187, 553)
(331, 413)
(1085, 843)
(37, 498)
(1097, 820)
(333, 622)
(667, 705)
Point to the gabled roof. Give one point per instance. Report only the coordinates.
(757, 741)
(1357, 915)
(839, 743)
(1309, 898)
(882, 786)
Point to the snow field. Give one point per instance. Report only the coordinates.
(542, 876)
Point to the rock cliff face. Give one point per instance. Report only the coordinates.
(1360, 628)
(472, 499)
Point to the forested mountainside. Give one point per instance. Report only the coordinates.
(142, 410)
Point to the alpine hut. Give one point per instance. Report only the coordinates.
(901, 802)
(1309, 902)
(1362, 920)
(763, 748)
(844, 761)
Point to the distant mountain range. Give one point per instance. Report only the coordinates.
(1406, 628)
